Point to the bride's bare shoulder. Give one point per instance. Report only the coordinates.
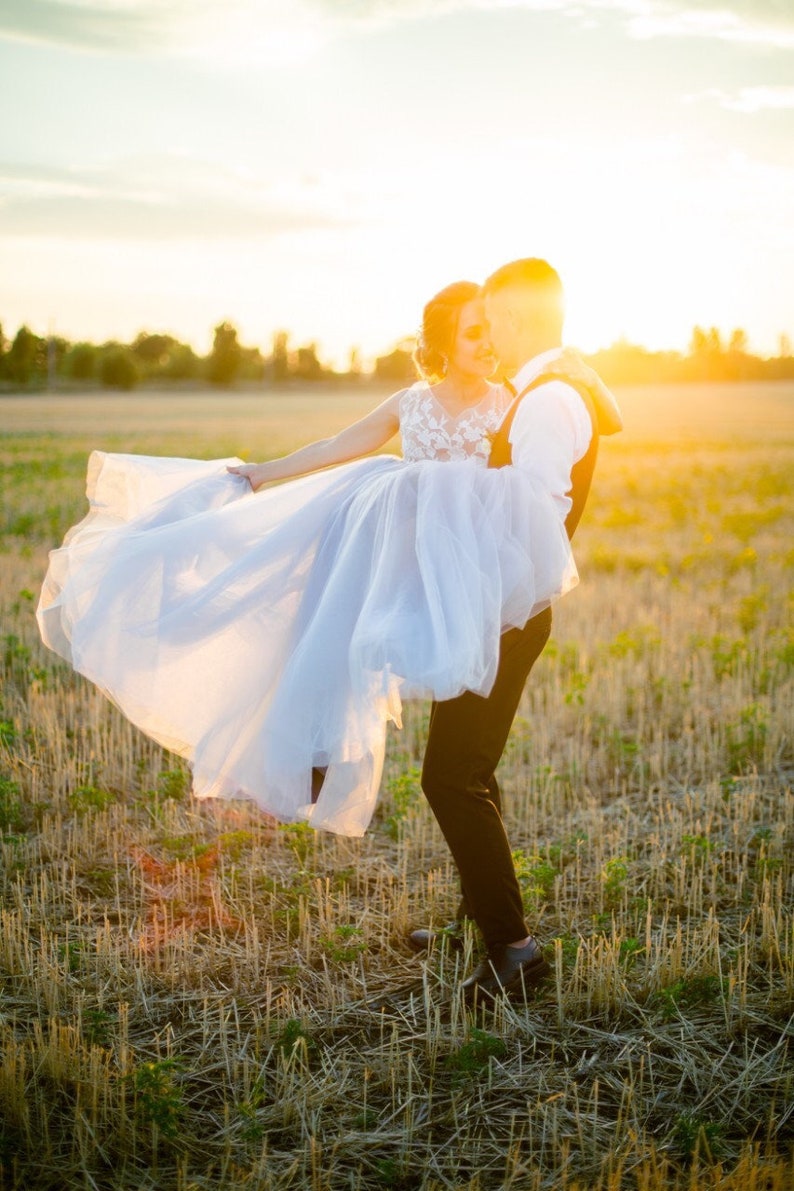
(410, 392)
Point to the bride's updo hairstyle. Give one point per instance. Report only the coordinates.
(436, 337)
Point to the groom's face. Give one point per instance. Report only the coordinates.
(501, 320)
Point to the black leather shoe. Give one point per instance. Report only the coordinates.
(507, 970)
(423, 940)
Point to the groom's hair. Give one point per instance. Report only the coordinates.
(538, 280)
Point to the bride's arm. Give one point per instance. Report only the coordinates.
(361, 438)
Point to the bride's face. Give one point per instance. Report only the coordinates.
(472, 353)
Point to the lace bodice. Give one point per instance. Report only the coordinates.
(429, 432)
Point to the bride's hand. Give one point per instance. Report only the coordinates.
(249, 471)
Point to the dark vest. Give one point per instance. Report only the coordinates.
(582, 471)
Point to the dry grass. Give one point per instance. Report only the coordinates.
(189, 992)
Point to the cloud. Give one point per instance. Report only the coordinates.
(86, 26)
(759, 99)
(761, 22)
(271, 29)
(158, 197)
(261, 28)
(748, 99)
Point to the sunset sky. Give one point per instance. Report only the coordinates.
(326, 166)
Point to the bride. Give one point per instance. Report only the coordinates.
(268, 634)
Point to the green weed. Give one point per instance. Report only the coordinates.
(158, 1098)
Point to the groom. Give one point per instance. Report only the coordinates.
(552, 430)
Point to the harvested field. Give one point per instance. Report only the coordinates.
(192, 997)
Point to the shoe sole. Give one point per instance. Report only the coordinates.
(420, 947)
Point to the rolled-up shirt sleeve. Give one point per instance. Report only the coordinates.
(551, 431)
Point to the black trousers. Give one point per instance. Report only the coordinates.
(467, 738)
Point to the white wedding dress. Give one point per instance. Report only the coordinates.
(262, 634)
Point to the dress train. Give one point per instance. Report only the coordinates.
(260, 635)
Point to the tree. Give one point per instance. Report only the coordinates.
(182, 363)
(280, 361)
(153, 351)
(626, 363)
(738, 342)
(26, 358)
(223, 363)
(714, 342)
(736, 362)
(398, 365)
(706, 354)
(56, 349)
(309, 366)
(698, 342)
(80, 362)
(252, 364)
(118, 367)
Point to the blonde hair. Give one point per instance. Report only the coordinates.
(540, 286)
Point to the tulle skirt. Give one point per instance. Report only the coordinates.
(260, 635)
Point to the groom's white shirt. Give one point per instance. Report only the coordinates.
(551, 429)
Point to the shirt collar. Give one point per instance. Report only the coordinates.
(533, 368)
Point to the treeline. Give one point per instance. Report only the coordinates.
(710, 358)
(30, 361)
